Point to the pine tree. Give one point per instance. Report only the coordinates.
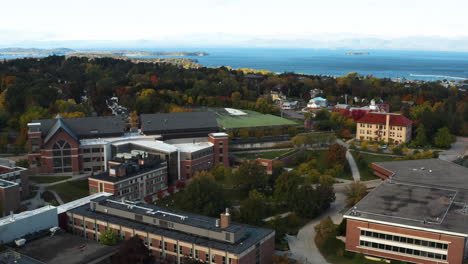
(421, 139)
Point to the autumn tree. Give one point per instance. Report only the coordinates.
(354, 193)
(336, 154)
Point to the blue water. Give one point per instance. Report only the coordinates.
(380, 63)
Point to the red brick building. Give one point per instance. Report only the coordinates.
(174, 235)
(136, 178)
(418, 214)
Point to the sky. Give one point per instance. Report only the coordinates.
(234, 20)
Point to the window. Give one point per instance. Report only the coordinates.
(86, 150)
(196, 254)
(165, 245)
(181, 250)
(402, 250)
(213, 258)
(228, 236)
(62, 160)
(207, 257)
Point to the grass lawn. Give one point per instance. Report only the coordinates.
(72, 190)
(48, 179)
(263, 155)
(366, 172)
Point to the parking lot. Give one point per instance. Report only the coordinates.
(65, 248)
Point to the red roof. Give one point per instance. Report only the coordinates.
(4, 170)
(381, 118)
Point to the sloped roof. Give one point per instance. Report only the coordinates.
(163, 123)
(59, 124)
(381, 118)
(86, 127)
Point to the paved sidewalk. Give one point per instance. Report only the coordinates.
(458, 149)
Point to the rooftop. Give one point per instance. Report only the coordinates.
(26, 214)
(380, 118)
(132, 170)
(193, 147)
(252, 234)
(86, 127)
(172, 122)
(6, 169)
(6, 184)
(79, 202)
(422, 207)
(429, 194)
(155, 144)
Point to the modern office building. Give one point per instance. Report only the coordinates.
(174, 235)
(17, 175)
(419, 214)
(388, 127)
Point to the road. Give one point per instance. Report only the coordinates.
(302, 246)
(458, 149)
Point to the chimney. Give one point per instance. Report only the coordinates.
(225, 219)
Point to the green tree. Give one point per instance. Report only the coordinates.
(313, 200)
(250, 176)
(285, 186)
(421, 139)
(254, 208)
(109, 238)
(23, 163)
(354, 193)
(203, 196)
(443, 138)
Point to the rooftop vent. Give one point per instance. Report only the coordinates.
(217, 222)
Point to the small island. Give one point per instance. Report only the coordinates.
(357, 53)
(71, 52)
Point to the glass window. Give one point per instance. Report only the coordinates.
(389, 237)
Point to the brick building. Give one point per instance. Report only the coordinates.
(417, 215)
(9, 197)
(174, 235)
(17, 175)
(133, 178)
(85, 145)
(388, 127)
(54, 144)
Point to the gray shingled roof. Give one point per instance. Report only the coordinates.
(87, 127)
(173, 122)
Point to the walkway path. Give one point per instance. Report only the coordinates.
(351, 161)
(458, 149)
(37, 200)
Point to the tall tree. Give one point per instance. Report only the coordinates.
(443, 138)
(250, 176)
(421, 139)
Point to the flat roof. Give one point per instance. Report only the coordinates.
(193, 147)
(426, 194)
(130, 174)
(253, 234)
(7, 184)
(26, 214)
(156, 145)
(433, 172)
(73, 204)
(413, 206)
